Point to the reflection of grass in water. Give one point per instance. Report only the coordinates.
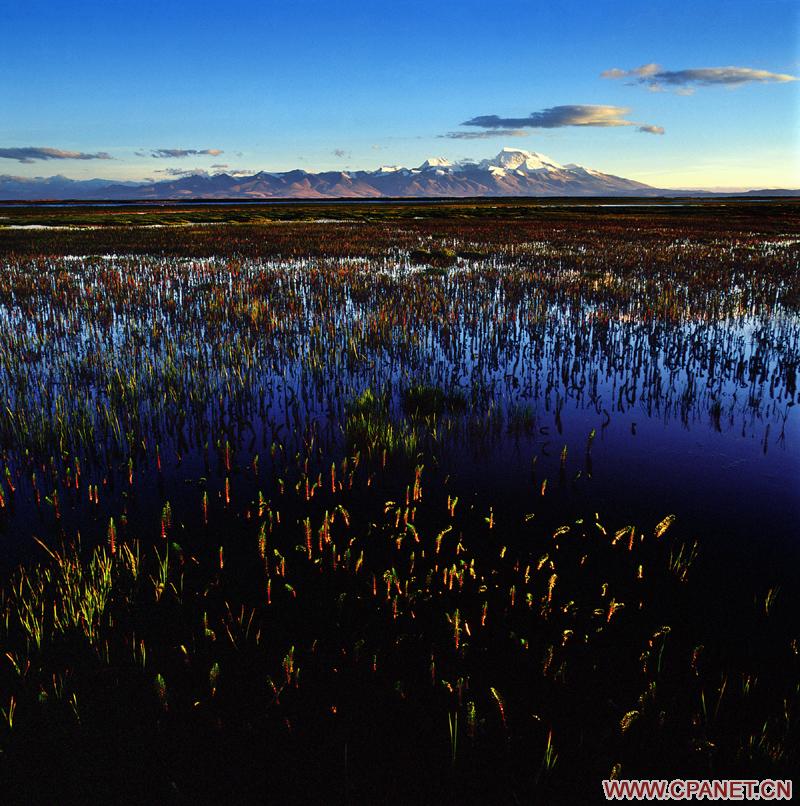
(503, 621)
(423, 400)
(521, 419)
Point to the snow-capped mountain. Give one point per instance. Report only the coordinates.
(435, 162)
(512, 172)
(515, 159)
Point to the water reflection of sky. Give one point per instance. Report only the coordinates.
(693, 413)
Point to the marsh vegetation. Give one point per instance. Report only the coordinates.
(433, 503)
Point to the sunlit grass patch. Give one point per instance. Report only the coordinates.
(369, 426)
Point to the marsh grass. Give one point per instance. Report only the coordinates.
(195, 643)
(435, 261)
(370, 427)
(259, 568)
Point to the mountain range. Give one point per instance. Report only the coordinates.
(513, 172)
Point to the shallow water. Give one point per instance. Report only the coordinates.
(690, 393)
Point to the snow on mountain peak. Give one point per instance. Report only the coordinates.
(435, 162)
(512, 172)
(513, 159)
(573, 166)
(385, 170)
(508, 160)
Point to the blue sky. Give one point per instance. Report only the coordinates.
(335, 85)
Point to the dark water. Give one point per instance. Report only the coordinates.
(692, 405)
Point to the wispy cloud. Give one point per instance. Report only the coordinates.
(640, 72)
(555, 117)
(34, 153)
(484, 135)
(179, 153)
(650, 129)
(656, 78)
(182, 171)
(215, 171)
(340, 153)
